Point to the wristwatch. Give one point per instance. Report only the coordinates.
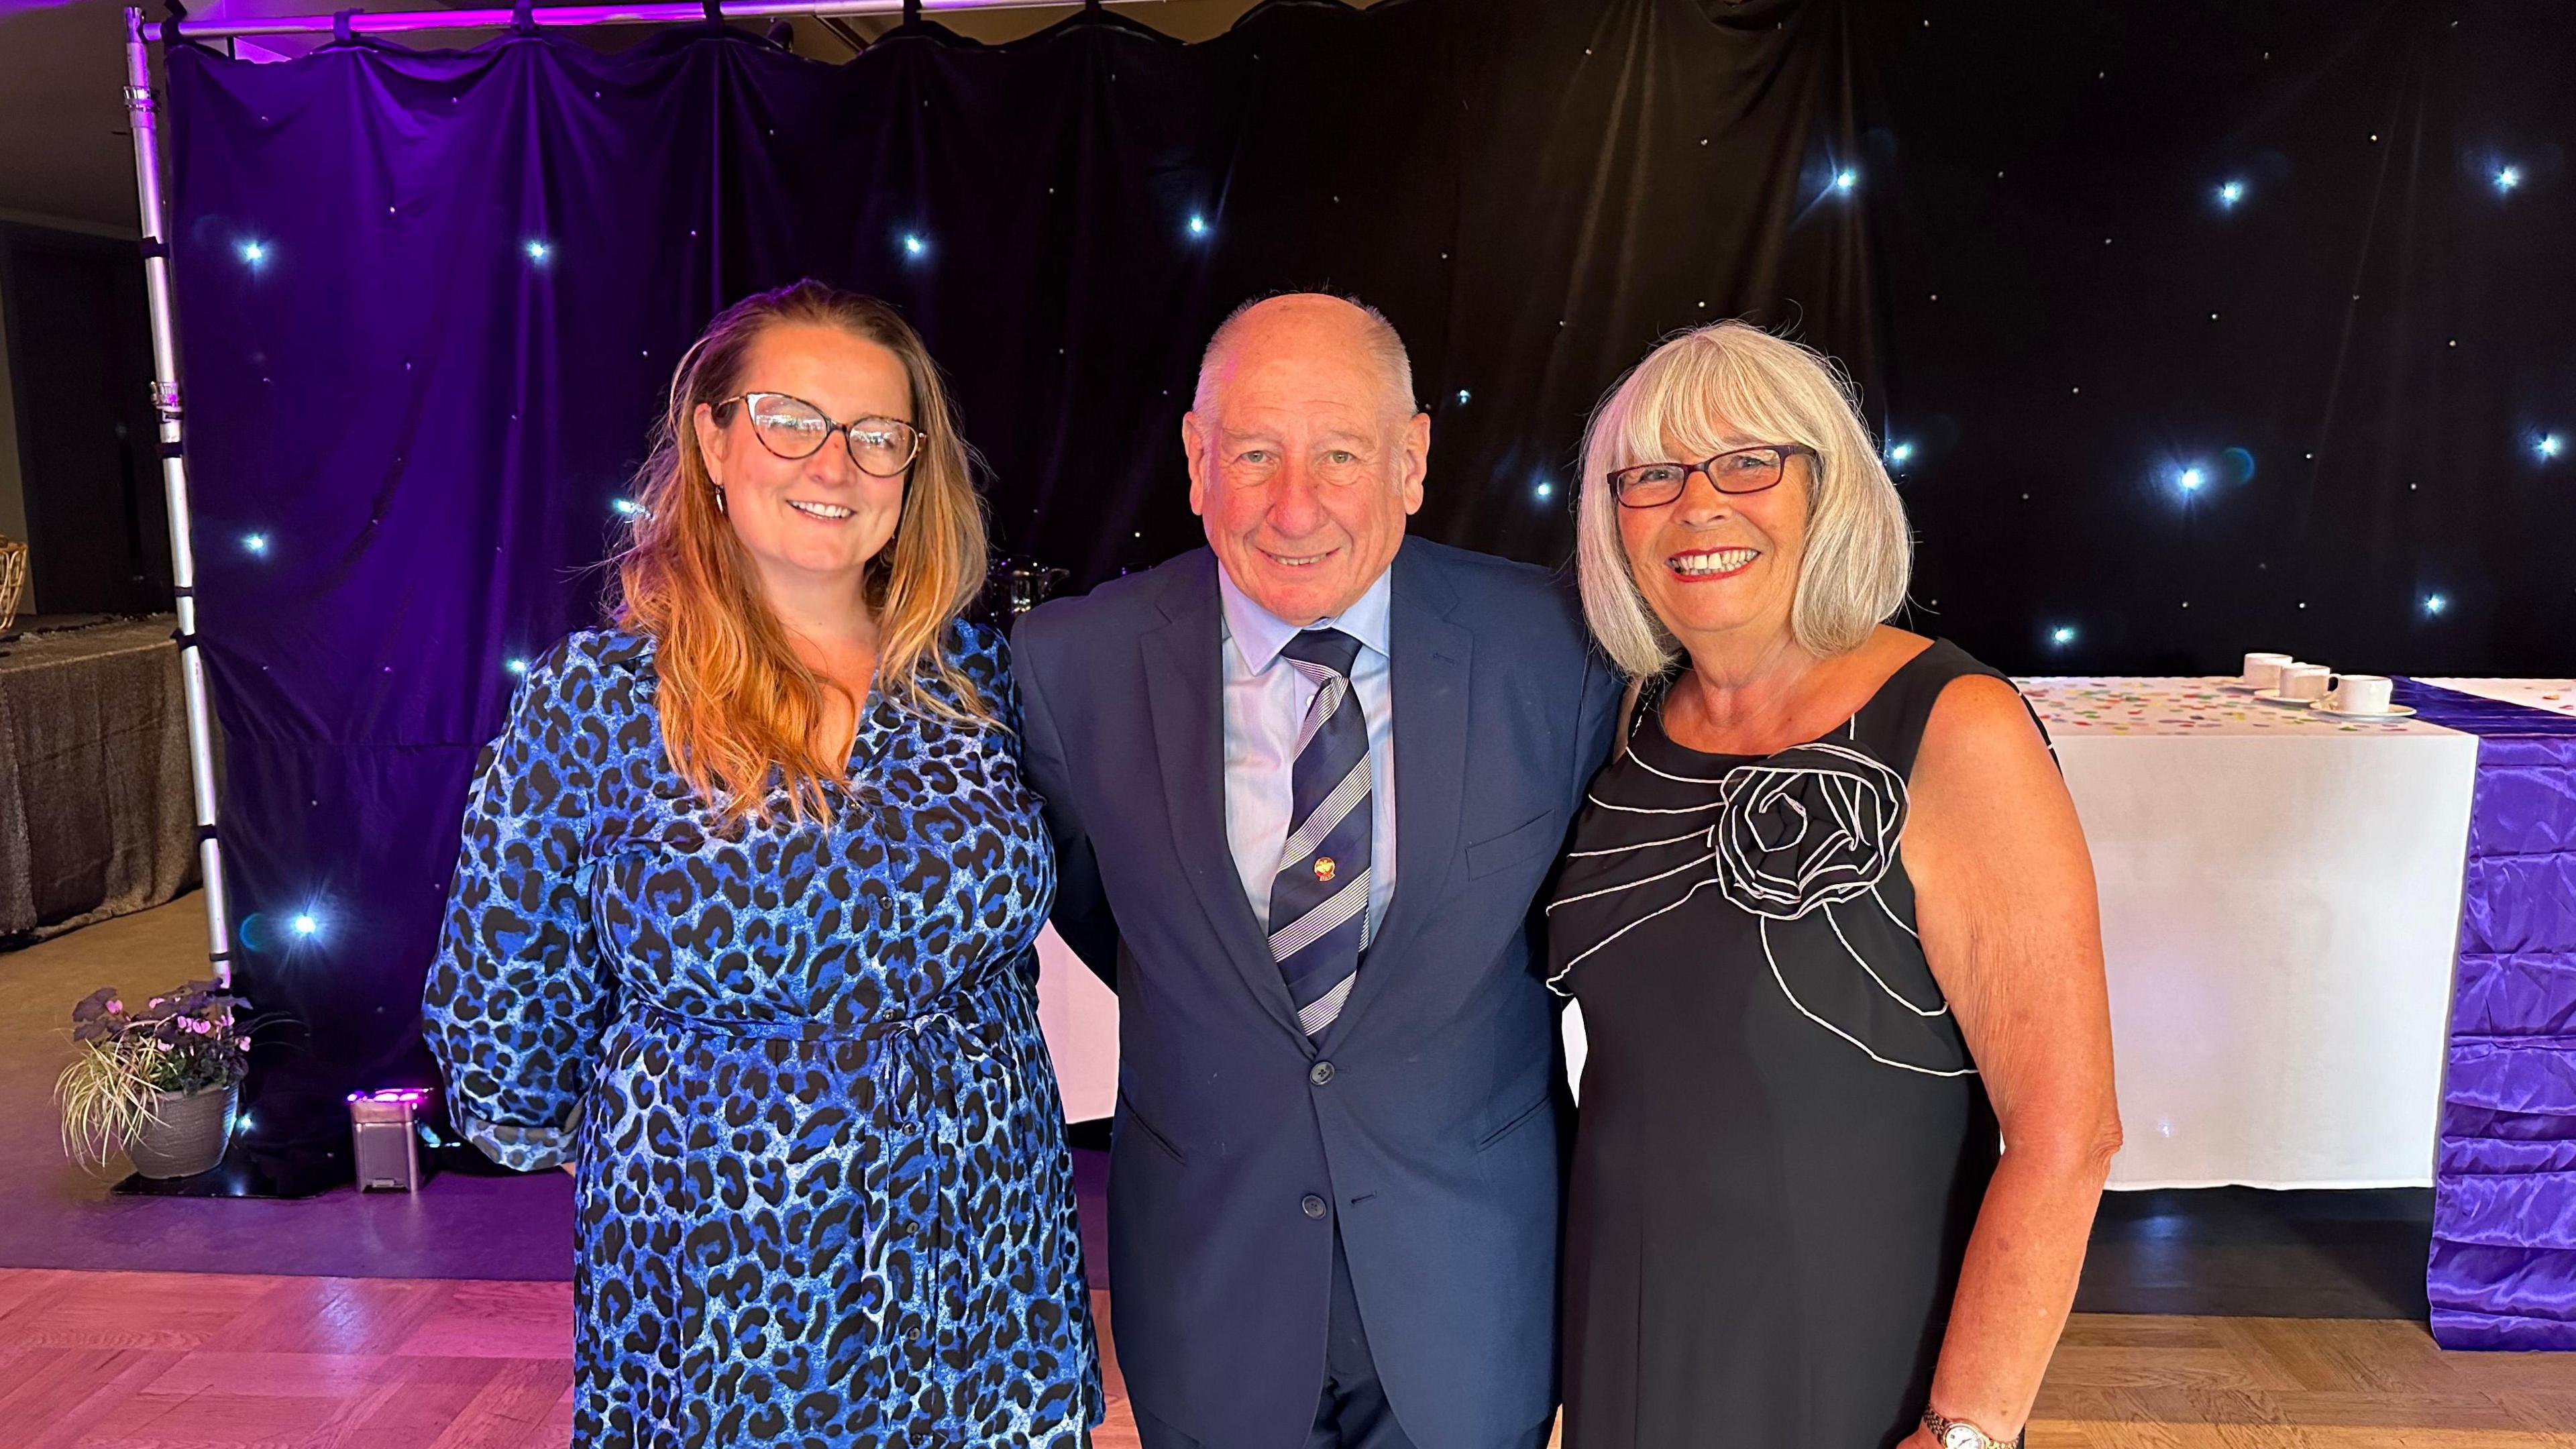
(1958, 1434)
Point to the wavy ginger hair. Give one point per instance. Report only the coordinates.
(737, 706)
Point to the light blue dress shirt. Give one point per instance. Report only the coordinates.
(1265, 702)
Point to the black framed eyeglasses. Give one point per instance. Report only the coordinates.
(795, 429)
(1736, 471)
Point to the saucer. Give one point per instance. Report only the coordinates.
(2394, 711)
(2238, 686)
(2276, 697)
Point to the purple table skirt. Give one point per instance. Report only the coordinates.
(2503, 1268)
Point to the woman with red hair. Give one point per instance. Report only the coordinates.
(743, 933)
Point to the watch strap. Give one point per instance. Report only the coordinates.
(1941, 1428)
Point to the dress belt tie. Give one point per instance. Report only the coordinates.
(919, 1063)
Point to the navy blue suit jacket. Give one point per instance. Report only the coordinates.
(1433, 1140)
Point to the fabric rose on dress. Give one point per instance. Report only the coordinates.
(1807, 827)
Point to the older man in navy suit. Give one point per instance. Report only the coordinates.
(1305, 784)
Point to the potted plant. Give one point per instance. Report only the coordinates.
(160, 1084)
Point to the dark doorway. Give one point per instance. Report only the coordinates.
(80, 356)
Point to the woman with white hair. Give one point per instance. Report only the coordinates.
(1831, 920)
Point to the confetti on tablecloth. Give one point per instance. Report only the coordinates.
(2182, 706)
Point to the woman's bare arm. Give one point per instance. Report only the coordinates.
(2011, 926)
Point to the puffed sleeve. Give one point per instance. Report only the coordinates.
(517, 999)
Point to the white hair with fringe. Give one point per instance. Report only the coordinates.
(1699, 391)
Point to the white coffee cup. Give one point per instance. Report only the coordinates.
(2303, 681)
(2263, 671)
(2359, 694)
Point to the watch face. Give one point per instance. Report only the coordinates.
(1963, 1436)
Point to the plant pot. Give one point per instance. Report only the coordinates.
(186, 1134)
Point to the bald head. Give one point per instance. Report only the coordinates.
(1306, 452)
(1309, 325)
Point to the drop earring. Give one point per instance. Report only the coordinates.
(720, 503)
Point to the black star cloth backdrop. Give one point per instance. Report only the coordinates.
(2191, 328)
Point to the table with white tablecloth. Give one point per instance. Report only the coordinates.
(2280, 913)
(1079, 1015)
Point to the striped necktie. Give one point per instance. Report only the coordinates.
(1319, 899)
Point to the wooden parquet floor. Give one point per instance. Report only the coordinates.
(127, 1360)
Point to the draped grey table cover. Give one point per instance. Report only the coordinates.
(95, 817)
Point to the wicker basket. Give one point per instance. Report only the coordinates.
(13, 580)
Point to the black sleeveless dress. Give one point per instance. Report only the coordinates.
(1783, 1141)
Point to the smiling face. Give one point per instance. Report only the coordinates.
(1714, 564)
(814, 520)
(1305, 455)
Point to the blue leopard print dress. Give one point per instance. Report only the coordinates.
(821, 1178)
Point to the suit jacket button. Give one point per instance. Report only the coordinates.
(1320, 1073)
(1313, 1205)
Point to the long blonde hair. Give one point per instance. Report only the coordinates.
(736, 704)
